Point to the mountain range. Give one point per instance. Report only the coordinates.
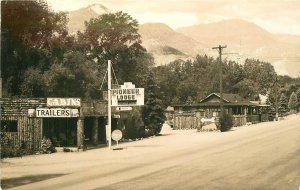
(243, 39)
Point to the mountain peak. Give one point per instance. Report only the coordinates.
(98, 8)
(78, 17)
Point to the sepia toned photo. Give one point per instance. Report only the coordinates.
(150, 95)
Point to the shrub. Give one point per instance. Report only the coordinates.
(226, 122)
(46, 146)
(8, 149)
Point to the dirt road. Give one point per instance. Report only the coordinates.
(262, 156)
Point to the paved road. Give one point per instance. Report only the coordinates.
(263, 156)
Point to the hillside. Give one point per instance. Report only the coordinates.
(247, 40)
(78, 17)
(166, 44)
(243, 39)
(232, 32)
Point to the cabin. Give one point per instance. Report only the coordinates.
(67, 122)
(188, 116)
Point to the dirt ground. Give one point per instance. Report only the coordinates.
(260, 156)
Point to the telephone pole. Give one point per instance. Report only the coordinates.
(220, 48)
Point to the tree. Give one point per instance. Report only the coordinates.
(168, 78)
(283, 104)
(226, 122)
(261, 73)
(293, 102)
(247, 88)
(153, 112)
(34, 37)
(115, 37)
(34, 83)
(187, 91)
(75, 76)
(298, 98)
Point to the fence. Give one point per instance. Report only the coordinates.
(239, 120)
(253, 118)
(192, 121)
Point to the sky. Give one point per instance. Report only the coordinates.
(276, 16)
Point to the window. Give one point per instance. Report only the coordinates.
(9, 126)
(215, 114)
(202, 113)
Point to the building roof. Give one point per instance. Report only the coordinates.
(228, 100)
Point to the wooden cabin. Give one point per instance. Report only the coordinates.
(188, 116)
(67, 122)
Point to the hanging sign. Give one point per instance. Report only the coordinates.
(55, 112)
(128, 95)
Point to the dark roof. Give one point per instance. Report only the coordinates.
(230, 98)
(216, 104)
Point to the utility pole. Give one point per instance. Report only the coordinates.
(109, 102)
(220, 48)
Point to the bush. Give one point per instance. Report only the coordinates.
(226, 122)
(8, 149)
(46, 146)
(7, 152)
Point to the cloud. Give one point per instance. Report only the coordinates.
(279, 25)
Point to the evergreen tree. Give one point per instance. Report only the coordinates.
(283, 104)
(153, 112)
(293, 102)
(298, 98)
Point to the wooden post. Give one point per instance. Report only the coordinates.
(80, 132)
(95, 132)
(109, 102)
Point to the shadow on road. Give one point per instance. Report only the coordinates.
(18, 181)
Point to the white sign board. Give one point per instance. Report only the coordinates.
(56, 112)
(116, 135)
(63, 102)
(127, 95)
(123, 108)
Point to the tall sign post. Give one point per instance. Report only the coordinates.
(124, 97)
(109, 102)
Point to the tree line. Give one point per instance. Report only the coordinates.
(188, 82)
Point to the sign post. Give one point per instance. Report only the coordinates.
(109, 102)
